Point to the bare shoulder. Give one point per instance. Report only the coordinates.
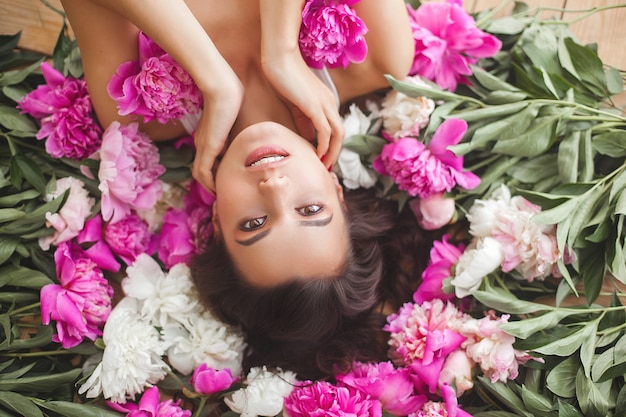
(391, 49)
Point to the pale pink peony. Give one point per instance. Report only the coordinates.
(64, 111)
(457, 372)
(394, 388)
(208, 381)
(422, 171)
(128, 238)
(529, 247)
(70, 219)
(155, 86)
(129, 171)
(331, 34)
(443, 258)
(82, 302)
(185, 231)
(321, 398)
(405, 116)
(150, 406)
(422, 336)
(434, 211)
(492, 348)
(447, 42)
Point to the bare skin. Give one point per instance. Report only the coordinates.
(243, 55)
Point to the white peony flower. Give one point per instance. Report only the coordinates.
(352, 170)
(483, 215)
(403, 115)
(264, 393)
(474, 264)
(203, 339)
(131, 359)
(163, 297)
(70, 219)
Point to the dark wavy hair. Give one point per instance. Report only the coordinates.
(315, 326)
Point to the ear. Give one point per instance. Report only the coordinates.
(339, 189)
(217, 231)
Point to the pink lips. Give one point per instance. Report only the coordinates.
(263, 152)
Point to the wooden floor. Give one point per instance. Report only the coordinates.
(40, 22)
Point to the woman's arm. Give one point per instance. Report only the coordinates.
(285, 68)
(171, 24)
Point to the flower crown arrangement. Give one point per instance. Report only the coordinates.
(505, 130)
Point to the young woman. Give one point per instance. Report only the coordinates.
(293, 261)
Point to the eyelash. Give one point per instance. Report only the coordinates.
(247, 226)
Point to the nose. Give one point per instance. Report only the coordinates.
(274, 183)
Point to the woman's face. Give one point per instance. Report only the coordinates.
(278, 209)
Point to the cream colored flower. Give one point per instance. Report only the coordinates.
(403, 115)
(474, 264)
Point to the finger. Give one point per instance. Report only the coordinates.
(336, 142)
(202, 171)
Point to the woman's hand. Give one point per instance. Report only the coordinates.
(308, 96)
(218, 116)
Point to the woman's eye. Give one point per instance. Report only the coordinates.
(310, 210)
(252, 224)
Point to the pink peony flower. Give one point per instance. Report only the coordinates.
(447, 42)
(331, 34)
(154, 86)
(129, 171)
(492, 348)
(321, 398)
(81, 304)
(64, 111)
(423, 336)
(448, 408)
(529, 247)
(208, 381)
(185, 230)
(128, 238)
(433, 212)
(96, 248)
(422, 171)
(394, 388)
(443, 257)
(149, 406)
(70, 219)
(457, 372)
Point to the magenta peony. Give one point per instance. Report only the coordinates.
(129, 171)
(81, 304)
(208, 381)
(128, 238)
(394, 388)
(422, 336)
(64, 111)
(155, 86)
(321, 398)
(149, 406)
(331, 34)
(447, 42)
(443, 257)
(422, 171)
(185, 230)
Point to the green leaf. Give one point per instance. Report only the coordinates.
(70, 409)
(535, 402)
(10, 214)
(567, 345)
(561, 379)
(593, 395)
(491, 112)
(491, 82)
(17, 76)
(23, 277)
(568, 410)
(11, 119)
(503, 393)
(556, 214)
(20, 404)
(534, 170)
(620, 403)
(534, 141)
(30, 172)
(40, 383)
(41, 339)
(365, 144)
(432, 91)
(14, 199)
(614, 80)
(7, 248)
(588, 66)
(587, 349)
(35, 219)
(568, 157)
(506, 302)
(524, 328)
(612, 143)
(602, 363)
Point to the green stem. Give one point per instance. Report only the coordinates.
(611, 116)
(37, 354)
(25, 308)
(489, 15)
(51, 7)
(11, 145)
(198, 411)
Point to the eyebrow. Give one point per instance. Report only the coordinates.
(307, 223)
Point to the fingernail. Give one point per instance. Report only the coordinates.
(322, 157)
(330, 168)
